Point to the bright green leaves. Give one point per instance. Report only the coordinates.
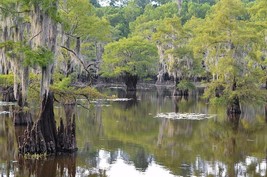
(30, 57)
(152, 14)
(79, 20)
(259, 10)
(133, 55)
(66, 93)
(185, 85)
(38, 57)
(230, 47)
(6, 79)
(174, 42)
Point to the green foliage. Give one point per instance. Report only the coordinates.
(64, 84)
(47, 6)
(6, 79)
(69, 94)
(194, 9)
(134, 56)
(65, 90)
(185, 85)
(41, 57)
(79, 20)
(119, 18)
(32, 57)
(228, 44)
(152, 13)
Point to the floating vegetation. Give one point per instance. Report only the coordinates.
(185, 116)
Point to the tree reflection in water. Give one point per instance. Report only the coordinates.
(124, 139)
(51, 166)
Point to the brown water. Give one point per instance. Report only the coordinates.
(123, 138)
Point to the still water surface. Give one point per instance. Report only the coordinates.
(122, 138)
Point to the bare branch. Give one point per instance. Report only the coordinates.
(81, 61)
(35, 36)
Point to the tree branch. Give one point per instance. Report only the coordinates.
(35, 36)
(81, 61)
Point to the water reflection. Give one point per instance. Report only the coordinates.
(124, 139)
(52, 166)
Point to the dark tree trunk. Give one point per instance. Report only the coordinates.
(177, 92)
(130, 81)
(234, 106)
(176, 101)
(234, 120)
(8, 94)
(130, 103)
(43, 136)
(21, 117)
(47, 121)
(66, 135)
(180, 92)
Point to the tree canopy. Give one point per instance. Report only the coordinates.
(222, 42)
(134, 56)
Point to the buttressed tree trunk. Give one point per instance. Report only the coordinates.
(43, 137)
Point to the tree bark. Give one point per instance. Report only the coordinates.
(130, 81)
(22, 118)
(43, 137)
(179, 5)
(24, 85)
(7, 94)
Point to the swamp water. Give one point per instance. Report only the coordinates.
(123, 138)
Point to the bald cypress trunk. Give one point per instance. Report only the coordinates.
(234, 105)
(130, 81)
(44, 138)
